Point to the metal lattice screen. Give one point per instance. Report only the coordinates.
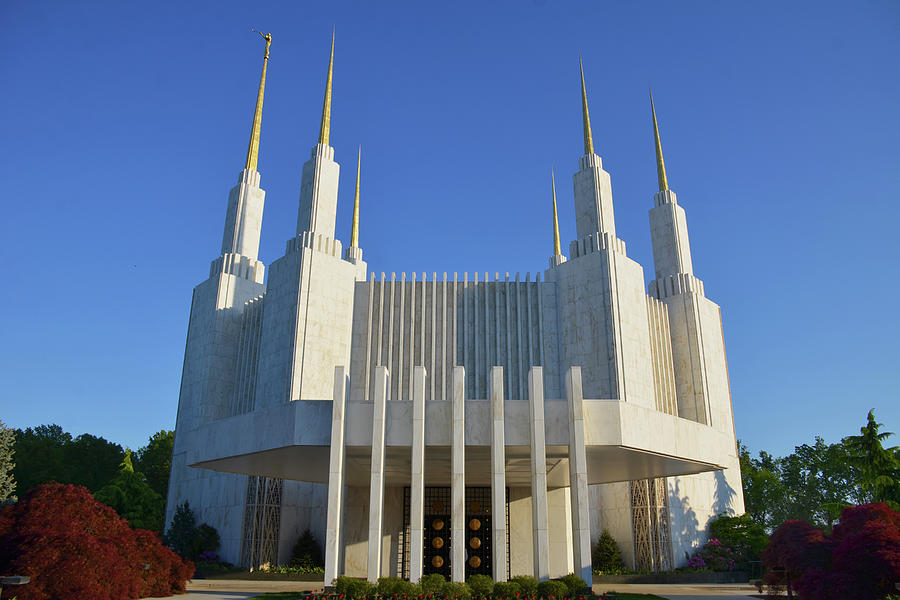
(262, 522)
(650, 525)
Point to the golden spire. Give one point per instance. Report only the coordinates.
(556, 250)
(660, 165)
(588, 142)
(354, 228)
(325, 129)
(253, 148)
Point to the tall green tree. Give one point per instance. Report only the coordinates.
(763, 490)
(820, 481)
(47, 453)
(155, 461)
(131, 497)
(878, 466)
(7, 451)
(93, 461)
(41, 456)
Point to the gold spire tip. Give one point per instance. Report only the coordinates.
(556, 250)
(660, 164)
(253, 147)
(354, 228)
(588, 141)
(325, 128)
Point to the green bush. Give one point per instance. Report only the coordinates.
(506, 589)
(432, 583)
(455, 590)
(528, 584)
(388, 586)
(742, 534)
(575, 584)
(607, 558)
(481, 585)
(552, 589)
(353, 588)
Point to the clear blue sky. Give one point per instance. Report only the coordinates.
(124, 124)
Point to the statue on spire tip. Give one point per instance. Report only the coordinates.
(253, 147)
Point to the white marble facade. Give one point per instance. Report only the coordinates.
(358, 396)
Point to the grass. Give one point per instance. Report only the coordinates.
(297, 596)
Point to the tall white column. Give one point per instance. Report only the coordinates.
(333, 524)
(578, 483)
(376, 486)
(498, 476)
(458, 477)
(538, 473)
(417, 477)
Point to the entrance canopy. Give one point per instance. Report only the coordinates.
(623, 441)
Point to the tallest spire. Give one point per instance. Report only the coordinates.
(660, 165)
(253, 148)
(588, 141)
(325, 129)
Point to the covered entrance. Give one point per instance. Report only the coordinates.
(437, 532)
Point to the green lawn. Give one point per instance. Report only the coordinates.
(297, 596)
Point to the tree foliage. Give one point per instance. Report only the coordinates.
(878, 466)
(155, 461)
(816, 482)
(47, 453)
(73, 546)
(7, 462)
(134, 500)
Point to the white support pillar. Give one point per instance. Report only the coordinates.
(376, 486)
(498, 476)
(578, 483)
(417, 478)
(333, 520)
(458, 477)
(541, 546)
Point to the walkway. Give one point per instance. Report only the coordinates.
(232, 589)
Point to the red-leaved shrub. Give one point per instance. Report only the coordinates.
(72, 546)
(859, 561)
(793, 548)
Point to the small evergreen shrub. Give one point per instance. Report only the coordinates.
(607, 558)
(552, 589)
(507, 589)
(575, 584)
(528, 584)
(360, 588)
(455, 590)
(307, 554)
(389, 586)
(432, 583)
(353, 588)
(481, 585)
(186, 538)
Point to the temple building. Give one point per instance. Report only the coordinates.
(453, 423)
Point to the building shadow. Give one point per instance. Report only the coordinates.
(724, 495)
(685, 528)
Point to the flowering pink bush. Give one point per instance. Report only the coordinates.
(713, 556)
